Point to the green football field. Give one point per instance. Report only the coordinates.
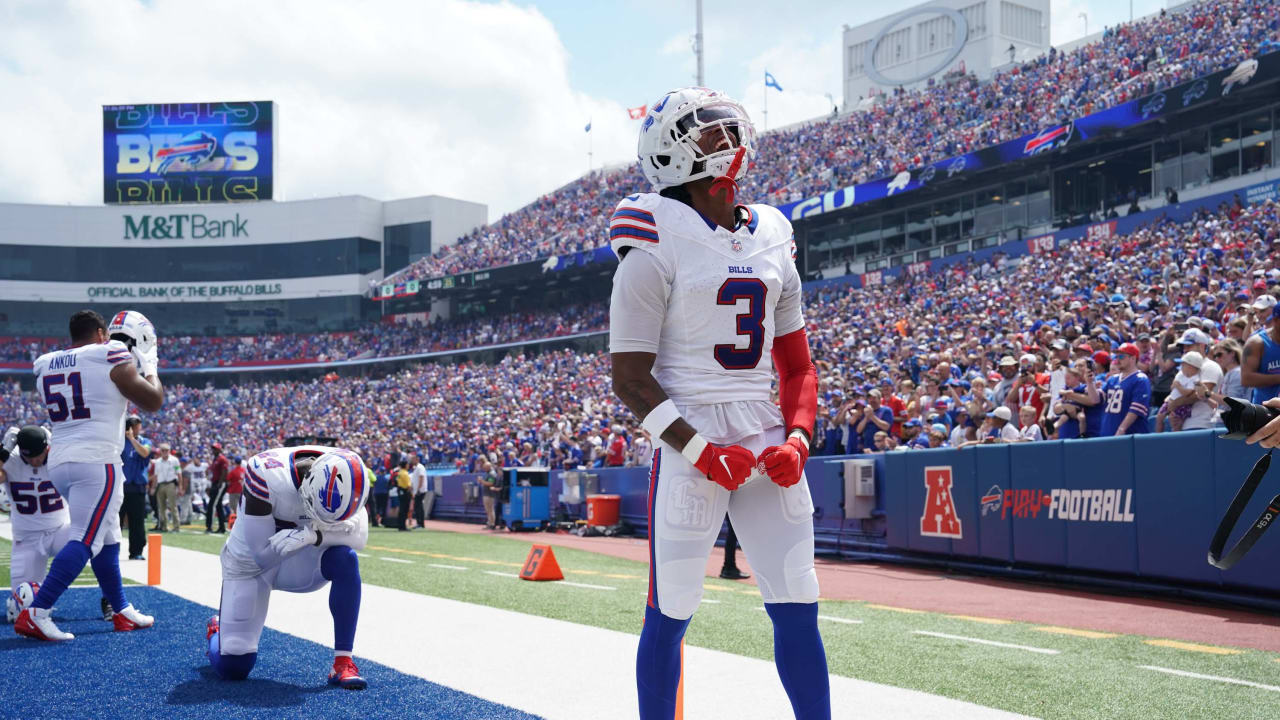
(1032, 669)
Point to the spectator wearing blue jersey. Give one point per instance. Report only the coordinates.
(1128, 395)
(1260, 371)
(875, 418)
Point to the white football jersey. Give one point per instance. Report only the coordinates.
(199, 477)
(85, 407)
(706, 300)
(272, 476)
(36, 505)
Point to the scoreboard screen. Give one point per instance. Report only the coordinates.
(188, 152)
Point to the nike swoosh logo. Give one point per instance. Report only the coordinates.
(725, 462)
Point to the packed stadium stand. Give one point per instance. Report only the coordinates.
(933, 345)
(903, 130)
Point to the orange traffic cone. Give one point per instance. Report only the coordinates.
(541, 565)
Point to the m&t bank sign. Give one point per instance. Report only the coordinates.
(192, 226)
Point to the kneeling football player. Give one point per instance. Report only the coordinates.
(299, 528)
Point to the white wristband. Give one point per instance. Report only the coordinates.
(693, 449)
(803, 438)
(660, 418)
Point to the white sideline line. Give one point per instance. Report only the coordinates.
(706, 600)
(832, 618)
(363, 555)
(446, 567)
(1028, 648)
(396, 560)
(501, 574)
(587, 585)
(1198, 676)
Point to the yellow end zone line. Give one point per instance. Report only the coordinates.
(1091, 634)
(1193, 647)
(891, 608)
(977, 619)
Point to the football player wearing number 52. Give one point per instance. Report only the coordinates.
(88, 388)
(706, 301)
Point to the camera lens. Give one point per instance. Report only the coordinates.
(1242, 419)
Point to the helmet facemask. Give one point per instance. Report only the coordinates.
(695, 133)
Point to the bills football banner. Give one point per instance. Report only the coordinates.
(1204, 90)
(188, 152)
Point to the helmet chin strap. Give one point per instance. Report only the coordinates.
(726, 183)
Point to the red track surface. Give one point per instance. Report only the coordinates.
(940, 591)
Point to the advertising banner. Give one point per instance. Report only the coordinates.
(1128, 114)
(171, 292)
(188, 152)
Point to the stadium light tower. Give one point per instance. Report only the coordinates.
(697, 43)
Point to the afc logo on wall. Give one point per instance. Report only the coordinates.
(939, 518)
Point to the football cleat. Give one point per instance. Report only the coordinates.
(130, 619)
(211, 627)
(37, 623)
(346, 675)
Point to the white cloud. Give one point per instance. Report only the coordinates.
(389, 99)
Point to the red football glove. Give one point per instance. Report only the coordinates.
(728, 466)
(785, 462)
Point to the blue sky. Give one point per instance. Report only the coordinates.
(632, 52)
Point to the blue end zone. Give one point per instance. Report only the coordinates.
(163, 672)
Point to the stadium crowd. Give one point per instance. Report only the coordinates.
(904, 130)
(380, 340)
(947, 358)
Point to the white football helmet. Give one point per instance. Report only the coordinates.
(335, 488)
(20, 600)
(668, 148)
(134, 330)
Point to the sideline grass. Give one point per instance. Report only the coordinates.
(1092, 677)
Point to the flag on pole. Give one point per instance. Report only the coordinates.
(770, 82)
(588, 127)
(636, 113)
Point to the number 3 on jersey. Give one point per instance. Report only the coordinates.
(749, 323)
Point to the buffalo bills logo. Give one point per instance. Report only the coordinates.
(1153, 106)
(190, 151)
(331, 492)
(1049, 139)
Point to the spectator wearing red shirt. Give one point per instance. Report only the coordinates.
(217, 488)
(616, 456)
(235, 484)
(895, 404)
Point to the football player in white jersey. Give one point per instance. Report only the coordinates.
(300, 525)
(705, 293)
(87, 389)
(40, 521)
